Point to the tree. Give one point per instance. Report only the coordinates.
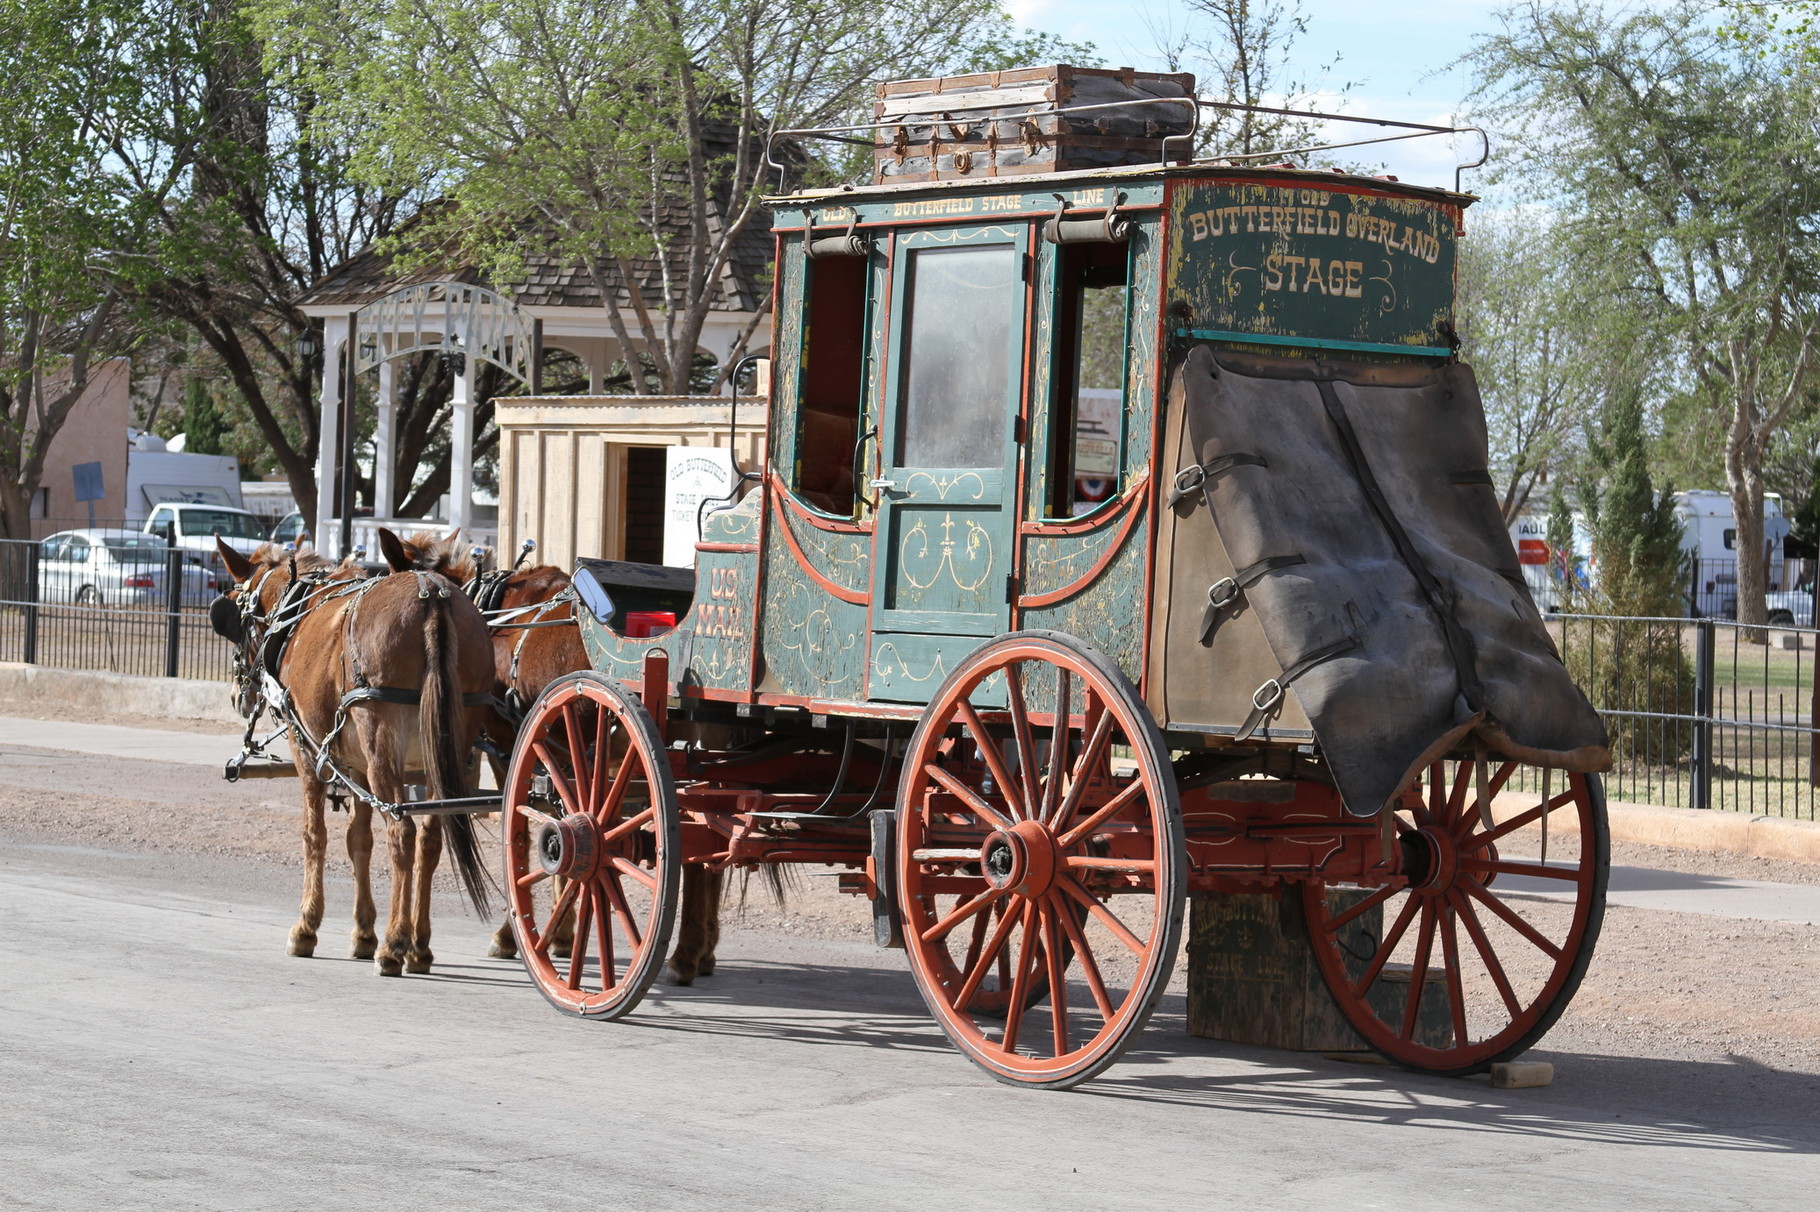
(628, 139)
(1690, 180)
(68, 87)
(1240, 51)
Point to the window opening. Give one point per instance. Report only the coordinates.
(833, 382)
(958, 355)
(1086, 439)
(645, 495)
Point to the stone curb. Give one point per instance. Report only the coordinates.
(1769, 837)
(154, 698)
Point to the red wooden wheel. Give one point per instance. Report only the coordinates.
(1039, 861)
(591, 828)
(1484, 943)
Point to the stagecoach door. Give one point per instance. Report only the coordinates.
(946, 523)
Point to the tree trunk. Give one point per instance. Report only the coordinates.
(1746, 488)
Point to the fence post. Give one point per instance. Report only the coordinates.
(1705, 654)
(31, 604)
(173, 602)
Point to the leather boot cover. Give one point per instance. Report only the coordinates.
(1406, 629)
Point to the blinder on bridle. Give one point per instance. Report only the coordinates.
(225, 618)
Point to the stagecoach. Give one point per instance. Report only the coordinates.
(1124, 532)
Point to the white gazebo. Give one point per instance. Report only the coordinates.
(384, 316)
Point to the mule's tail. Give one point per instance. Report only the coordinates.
(438, 715)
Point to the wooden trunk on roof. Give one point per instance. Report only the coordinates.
(992, 124)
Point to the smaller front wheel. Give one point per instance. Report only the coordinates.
(1039, 860)
(591, 828)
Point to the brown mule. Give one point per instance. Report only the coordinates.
(350, 652)
(525, 661)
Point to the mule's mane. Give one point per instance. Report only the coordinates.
(448, 555)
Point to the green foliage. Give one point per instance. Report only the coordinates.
(1563, 556)
(203, 424)
(1690, 179)
(1628, 665)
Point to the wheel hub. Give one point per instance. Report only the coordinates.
(1430, 859)
(569, 847)
(1020, 859)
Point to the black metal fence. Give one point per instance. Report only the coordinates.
(126, 604)
(1703, 713)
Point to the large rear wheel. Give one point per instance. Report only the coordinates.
(1489, 924)
(1040, 860)
(592, 830)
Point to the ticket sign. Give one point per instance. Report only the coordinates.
(1286, 265)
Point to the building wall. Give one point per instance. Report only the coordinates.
(563, 475)
(94, 433)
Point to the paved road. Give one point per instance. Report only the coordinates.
(157, 1050)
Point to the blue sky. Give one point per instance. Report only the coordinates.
(1397, 57)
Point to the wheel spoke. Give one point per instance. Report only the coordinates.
(988, 954)
(1068, 884)
(1533, 870)
(626, 866)
(1088, 862)
(1090, 969)
(557, 911)
(578, 946)
(1450, 960)
(983, 901)
(535, 875)
(616, 794)
(630, 825)
(1058, 990)
(995, 760)
(1456, 802)
(1020, 732)
(603, 928)
(542, 818)
(623, 911)
(1020, 983)
(1061, 740)
(1333, 924)
(603, 745)
(1101, 815)
(578, 757)
(1091, 753)
(1510, 917)
(1487, 955)
(1388, 945)
(1522, 820)
(560, 784)
(968, 795)
(980, 923)
(1418, 973)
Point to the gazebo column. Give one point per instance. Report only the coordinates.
(461, 448)
(328, 440)
(385, 439)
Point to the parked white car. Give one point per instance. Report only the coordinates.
(113, 568)
(1792, 608)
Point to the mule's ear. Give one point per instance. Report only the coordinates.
(399, 556)
(453, 536)
(238, 566)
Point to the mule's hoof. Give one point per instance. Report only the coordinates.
(559, 951)
(418, 963)
(363, 948)
(302, 944)
(674, 976)
(706, 967)
(389, 965)
(502, 951)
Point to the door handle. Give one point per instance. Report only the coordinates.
(882, 485)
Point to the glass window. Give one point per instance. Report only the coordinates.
(222, 522)
(833, 382)
(957, 355)
(1086, 441)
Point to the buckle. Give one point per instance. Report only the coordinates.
(1190, 478)
(1223, 593)
(1268, 695)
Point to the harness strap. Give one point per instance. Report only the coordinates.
(1227, 590)
(1191, 479)
(404, 697)
(1265, 698)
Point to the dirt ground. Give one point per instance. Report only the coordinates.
(1672, 986)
